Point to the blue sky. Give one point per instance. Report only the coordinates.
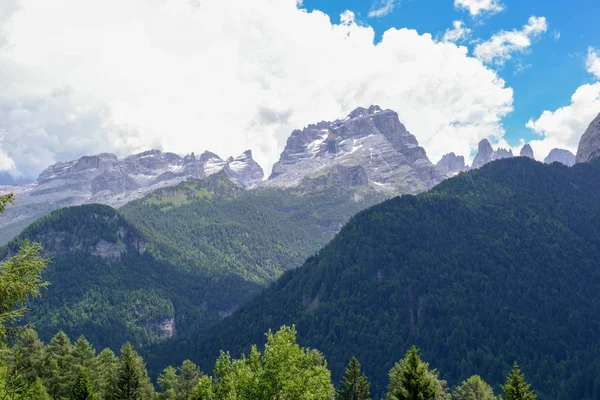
(125, 76)
(544, 78)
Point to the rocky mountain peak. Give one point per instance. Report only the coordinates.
(372, 138)
(527, 151)
(486, 154)
(106, 179)
(562, 156)
(451, 164)
(589, 145)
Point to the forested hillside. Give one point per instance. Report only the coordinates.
(492, 266)
(179, 260)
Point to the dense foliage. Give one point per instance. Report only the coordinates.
(284, 370)
(177, 261)
(492, 266)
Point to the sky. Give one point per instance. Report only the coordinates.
(81, 77)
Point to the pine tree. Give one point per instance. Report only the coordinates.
(474, 388)
(106, 373)
(32, 353)
(84, 356)
(516, 388)
(60, 369)
(132, 381)
(354, 385)
(82, 389)
(411, 379)
(20, 279)
(187, 379)
(38, 391)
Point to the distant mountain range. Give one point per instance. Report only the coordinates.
(217, 230)
(369, 148)
(197, 237)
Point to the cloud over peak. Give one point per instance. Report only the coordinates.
(564, 126)
(224, 76)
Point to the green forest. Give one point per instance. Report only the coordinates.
(496, 265)
(184, 256)
(435, 296)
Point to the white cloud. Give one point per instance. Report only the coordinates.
(500, 47)
(563, 127)
(593, 62)
(477, 7)
(125, 75)
(458, 32)
(381, 8)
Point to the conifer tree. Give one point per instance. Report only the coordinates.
(38, 391)
(187, 379)
(107, 365)
(32, 353)
(60, 369)
(354, 385)
(411, 379)
(516, 388)
(82, 389)
(474, 388)
(132, 381)
(20, 279)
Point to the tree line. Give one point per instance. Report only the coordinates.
(63, 370)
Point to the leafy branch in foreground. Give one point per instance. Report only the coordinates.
(20, 280)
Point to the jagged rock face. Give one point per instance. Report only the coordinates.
(527, 151)
(562, 156)
(451, 164)
(589, 145)
(484, 154)
(372, 138)
(106, 179)
(501, 153)
(244, 171)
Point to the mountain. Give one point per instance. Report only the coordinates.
(589, 145)
(562, 156)
(178, 260)
(527, 151)
(451, 164)
(486, 154)
(496, 265)
(369, 146)
(105, 179)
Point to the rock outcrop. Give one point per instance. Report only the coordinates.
(527, 151)
(106, 179)
(562, 156)
(389, 157)
(589, 145)
(486, 154)
(451, 164)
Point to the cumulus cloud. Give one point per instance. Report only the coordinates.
(381, 8)
(458, 32)
(478, 7)
(593, 62)
(563, 127)
(128, 75)
(500, 47)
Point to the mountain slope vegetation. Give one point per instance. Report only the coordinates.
(492, 266)
(178, 260)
